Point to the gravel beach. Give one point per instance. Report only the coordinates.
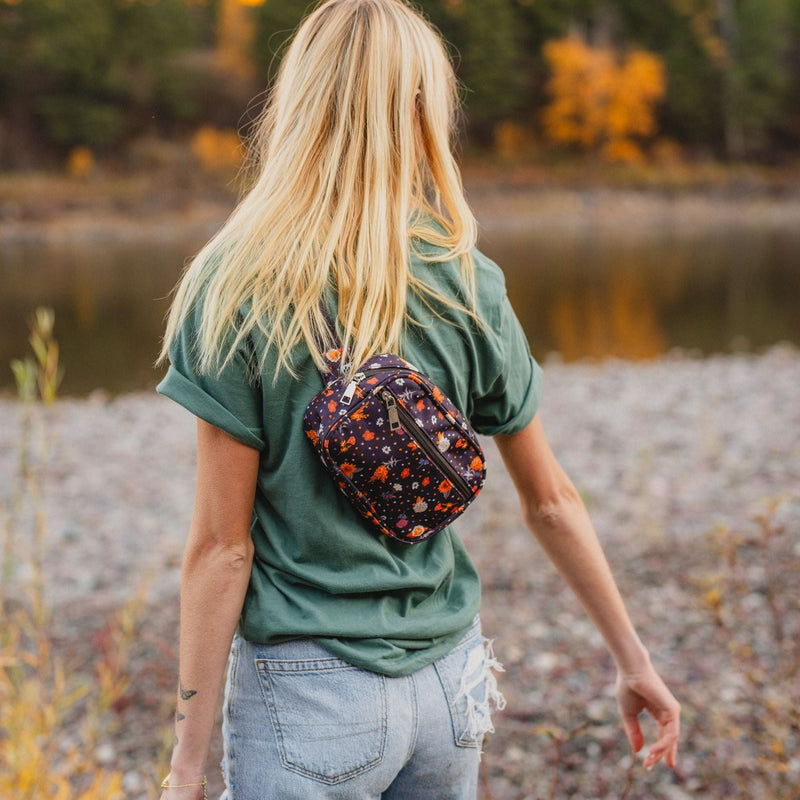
(665, 453)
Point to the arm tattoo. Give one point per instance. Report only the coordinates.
(186, 694)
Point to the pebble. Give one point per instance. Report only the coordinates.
(663, 452)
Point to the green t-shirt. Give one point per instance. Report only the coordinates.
(319, 570)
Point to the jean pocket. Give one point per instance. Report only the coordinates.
(330, 718)
(470, 687)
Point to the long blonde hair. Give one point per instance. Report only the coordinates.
(353, 163)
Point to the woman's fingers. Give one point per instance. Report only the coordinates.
(666, 747)
(633, 731)
(649, 693)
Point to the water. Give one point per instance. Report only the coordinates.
(578, 294)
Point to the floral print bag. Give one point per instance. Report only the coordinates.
(398, 449)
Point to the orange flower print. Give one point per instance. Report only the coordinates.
(313, 436)
(426, 481)
(405, 473)
(380, 474)
(332, 406)
(476, 464)
(438, 396)
(445, 487)
(333, 355)
(417, 532)
(348, 469)
(368, 436)
(420, 405)
(359, 414)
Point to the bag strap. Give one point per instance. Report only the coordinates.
(332, 358)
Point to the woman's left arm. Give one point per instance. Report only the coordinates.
(556, 515)
(216, 572)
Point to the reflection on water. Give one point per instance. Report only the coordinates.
(578, 294)
(605, 294)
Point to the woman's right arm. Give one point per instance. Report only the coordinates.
(216, 572)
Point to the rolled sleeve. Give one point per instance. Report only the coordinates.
(229, 399)
(510, 381)
(201, 403)
(515, 409)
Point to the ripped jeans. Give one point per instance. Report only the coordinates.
(300, 724)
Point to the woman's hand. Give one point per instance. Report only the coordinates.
(645, 691)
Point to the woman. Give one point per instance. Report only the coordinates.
(358, 669)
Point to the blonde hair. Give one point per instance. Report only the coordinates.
(353, 163)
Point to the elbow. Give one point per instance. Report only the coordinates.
(238, 556)
(553, 510)
(229, 557)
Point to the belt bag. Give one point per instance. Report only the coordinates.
(398, 449)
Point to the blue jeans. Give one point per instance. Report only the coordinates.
(300, 724)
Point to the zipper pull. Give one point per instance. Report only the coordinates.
(391, 408)
(350, 391)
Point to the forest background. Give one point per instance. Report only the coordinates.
(88, 81)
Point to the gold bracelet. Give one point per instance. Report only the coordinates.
(165, 784)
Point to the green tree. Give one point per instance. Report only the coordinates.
(758, 74)
(490, 59)
(91, 72)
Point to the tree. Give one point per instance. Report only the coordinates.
(747, 44)
(599, 101)
(91, 72)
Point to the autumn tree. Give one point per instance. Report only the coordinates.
(599, 101)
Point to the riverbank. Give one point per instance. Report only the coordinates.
(667, 455)
(159, 205)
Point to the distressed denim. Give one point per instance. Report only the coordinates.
(300, 724)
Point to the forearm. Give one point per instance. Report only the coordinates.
(555, 513)
(565, 532)
(213, 586)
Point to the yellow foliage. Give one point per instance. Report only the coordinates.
(51, 719)
(80, 162)
(704, 18)
(217, 149)
(622, 151)
(599, 101)
(235, 27)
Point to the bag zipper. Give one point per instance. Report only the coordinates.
(350, 389)
(399, 415)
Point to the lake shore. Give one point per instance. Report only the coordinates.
(664, 453)
(53, 210)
